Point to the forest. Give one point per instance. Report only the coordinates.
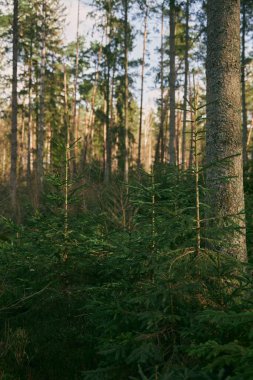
(126, 189)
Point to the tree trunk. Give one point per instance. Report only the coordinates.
(29, 129)
(107, 171)
(224, 137)
(159, 152)
(142, 87)
(108, 154)
(178, 138)
(186, 68)
(74, 132)
(244, 106)
(172, 85)
(14, 111)
(126, 36)
(91, 116)
(41, 116)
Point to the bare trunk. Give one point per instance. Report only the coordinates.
(178, 138)
(105, 140)
(192, 101)
(186, 67)
(244, 106)
(29, 129)
(159, 153)
(172, 85)
(14, 111)
(107, 163)
(126, 36)
(142, 86)
(21, 150)
(91, 117)
(74, 133)
(41, 116)
(224, 137)
(67, 158)
(107, 172)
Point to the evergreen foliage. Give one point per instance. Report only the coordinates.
(132, 299)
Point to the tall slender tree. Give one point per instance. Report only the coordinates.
(126, 42)
(74, 132)
(186, 72)
(159, 151)
(14, 111)
(41, 115)
(172, 84)
(145, 32)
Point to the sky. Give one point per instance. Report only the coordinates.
(87, 29)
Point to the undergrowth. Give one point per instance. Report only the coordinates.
(127, 293)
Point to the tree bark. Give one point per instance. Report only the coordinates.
(244, 106)
(29, 127)
(126, 37)
(186, 68)
(74, 132)
(224, 137)
(159, 151)
(91, 116)
(172, 85)
(142, 87)
(107, 165)
(14, 106)
(41, 116)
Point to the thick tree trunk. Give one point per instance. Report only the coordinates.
(186, 68)
(224, 138)
(172, 85)
(142, 87)
(14, 111)
(244, 106)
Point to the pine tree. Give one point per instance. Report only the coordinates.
(14, 117)
(172, 84)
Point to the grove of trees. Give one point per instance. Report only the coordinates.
(126, 190)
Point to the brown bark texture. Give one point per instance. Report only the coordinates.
(172, 85)
(224, 137)
(14, 111)
(244, 104)
(186, 65)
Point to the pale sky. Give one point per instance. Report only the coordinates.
(87, 29)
